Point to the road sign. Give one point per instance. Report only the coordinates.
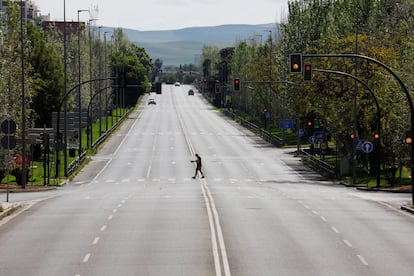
(286, 123)
(301, 132)
(8, 126)
(367, 147)
(320, 135)
(313, 140)
(324, 145)
(8, 142)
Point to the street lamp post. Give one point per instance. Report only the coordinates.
(270, 74)
(89, 129)
(24, 169)
(105, 75)
(79, 88)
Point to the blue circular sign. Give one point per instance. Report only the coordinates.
(367, 147)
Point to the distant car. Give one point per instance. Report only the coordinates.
(191, 92)
(151, 101)
(177, 83)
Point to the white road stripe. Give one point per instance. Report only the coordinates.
(103, 228)
(86, 258)
(347, 243)
(363, 261)
(96, 240)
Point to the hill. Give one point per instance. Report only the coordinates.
(184, 46)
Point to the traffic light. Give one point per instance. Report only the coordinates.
(236, 84)
(376, 136)
(295, 63)
(408, 137)
(307, 74)
(217, 87)
(265, 110)
(309, 123)
(316, 124)
(352, 136)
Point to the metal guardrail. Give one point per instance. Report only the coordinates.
(319, 165)
(76, 163)
(275, 140)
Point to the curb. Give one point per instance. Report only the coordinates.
(9, 208)
(408, 208)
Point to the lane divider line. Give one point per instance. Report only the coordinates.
(217, 238)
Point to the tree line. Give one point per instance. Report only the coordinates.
(32, 61)
(380, 29)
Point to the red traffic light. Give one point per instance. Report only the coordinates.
(236, 84)
(352, 136)
(376, 136)
(408, 137)
(309, 123)
(307, 74)
(265, 110)
(217, 88)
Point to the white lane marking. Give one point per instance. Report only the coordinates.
(86, 258)
(347, 243)
(114, 210)
(316, 213)
(95, 241)
(149, 171)
(306, 206)
(103, 228)
(210, 206)
(334, 229)
(219, 231)
(119, 205)
(110, 217)
(363, 261)
(323, 218)
(213, 234)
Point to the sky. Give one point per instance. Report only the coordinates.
(154, 15)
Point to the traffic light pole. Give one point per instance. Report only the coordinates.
(400, 82)
(376, 103)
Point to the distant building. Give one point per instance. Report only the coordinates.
(30, 9)
(72, 27)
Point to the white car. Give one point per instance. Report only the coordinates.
(151, 101)
(177, 83)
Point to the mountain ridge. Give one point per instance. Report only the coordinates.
(183, 46)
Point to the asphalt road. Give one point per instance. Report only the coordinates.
(135, 210)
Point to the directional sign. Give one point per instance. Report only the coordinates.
(301, 132)
(313, 140)
(367, 147)
(285, 123)
(320, 135)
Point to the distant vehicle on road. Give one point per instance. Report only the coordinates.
(177, 83)
(151, 101)
(191, 92)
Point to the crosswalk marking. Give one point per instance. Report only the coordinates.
(185, 179)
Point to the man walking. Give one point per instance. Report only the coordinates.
(198, 167)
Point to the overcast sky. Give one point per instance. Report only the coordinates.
(147, 15)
